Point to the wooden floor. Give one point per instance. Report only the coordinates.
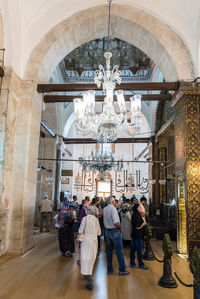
(43, 273)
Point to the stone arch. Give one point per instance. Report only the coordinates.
(68, 124)
(135, 26)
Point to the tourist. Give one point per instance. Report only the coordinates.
(94, 205)
(125, 217)
(91, 229)
(118, 205)
(143, 201)
(133, 199)
(72, 212)
(63, 211)
(138, 223)
(68, 195)
(64, 207)
(66, 237)
(46, 208)
(102, 202)
(75, 201)
(113, 237)
(83, 211)
(81, 205)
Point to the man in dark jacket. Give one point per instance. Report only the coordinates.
(66, 237)
(138, 224)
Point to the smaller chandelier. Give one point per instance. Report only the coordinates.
(100, 160)
(105, 124)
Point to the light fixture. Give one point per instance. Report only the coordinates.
(104, 125)
(152, 182)
(162, 182)
(101, 160)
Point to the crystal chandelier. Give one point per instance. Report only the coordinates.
(100, 160)
(104, 125)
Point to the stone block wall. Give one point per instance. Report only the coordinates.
(20, 164)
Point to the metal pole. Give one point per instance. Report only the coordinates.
(77, 160)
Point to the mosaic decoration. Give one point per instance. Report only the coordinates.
(84, 60)
(179, 136)
(88, 56)
(170, 170)
(192, 142)
(187, 140)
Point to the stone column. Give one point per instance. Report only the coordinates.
(186, 103)
(20, 165)
(57, 171)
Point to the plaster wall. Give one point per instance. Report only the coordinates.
(127, 151)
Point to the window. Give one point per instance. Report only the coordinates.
(103, 189)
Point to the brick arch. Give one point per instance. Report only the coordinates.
(144, 31)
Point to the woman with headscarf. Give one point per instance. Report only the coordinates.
(138, 222)
(91, 229)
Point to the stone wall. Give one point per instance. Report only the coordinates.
(20, 163)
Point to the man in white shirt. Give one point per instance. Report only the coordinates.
(46, 208)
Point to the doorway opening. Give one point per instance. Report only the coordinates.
(104, 189)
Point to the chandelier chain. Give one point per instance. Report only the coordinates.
(109, 8)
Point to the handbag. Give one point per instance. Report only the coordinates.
(81, 237)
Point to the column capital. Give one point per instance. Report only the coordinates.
(185, 90)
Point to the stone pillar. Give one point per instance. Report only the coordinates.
(186, 103)
(57, 172)
(20, 165)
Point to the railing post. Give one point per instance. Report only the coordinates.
(195, 269)
(148, 255)
(166, 280)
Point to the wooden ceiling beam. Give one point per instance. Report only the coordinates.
(52, 98)
(118, 140)
(41, 88)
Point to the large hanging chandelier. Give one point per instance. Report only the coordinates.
(101, 160)
(104, 125)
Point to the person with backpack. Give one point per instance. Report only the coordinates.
(66, 237)
(138, 223)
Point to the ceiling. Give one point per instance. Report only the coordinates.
(84, 60)
(27, 22)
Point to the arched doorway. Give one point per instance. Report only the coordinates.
(129, 24)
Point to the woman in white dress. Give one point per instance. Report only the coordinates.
(91, 228)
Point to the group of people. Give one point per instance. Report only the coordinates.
(90, 220)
